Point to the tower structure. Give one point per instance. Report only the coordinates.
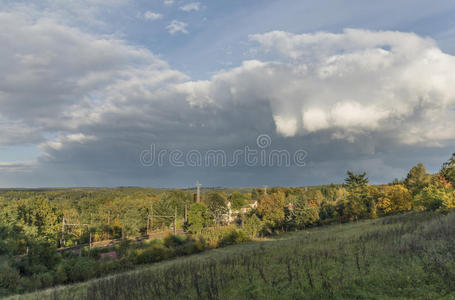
(198, 192)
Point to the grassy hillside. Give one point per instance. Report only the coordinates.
(398, 257)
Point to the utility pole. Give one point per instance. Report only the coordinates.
(198, 193)
(65, 223)
(148, 223)
(90, 230)
(175, 220)
(62, 241)
(108, 224)
(229, 212)
(186, 213)
(151, 218)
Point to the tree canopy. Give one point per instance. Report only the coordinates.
(353, 180)
(417, 178)
(448, 170)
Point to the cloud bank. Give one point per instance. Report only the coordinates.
(93, 103)
(361, 81)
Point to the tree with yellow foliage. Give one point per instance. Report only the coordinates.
(438, 195)
(271, 209)
(395, 198)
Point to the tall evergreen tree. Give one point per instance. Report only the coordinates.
(448, 170)
(354, 180)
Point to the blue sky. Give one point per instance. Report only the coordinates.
(90, 84)
(218, 31)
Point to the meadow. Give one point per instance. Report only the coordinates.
(407, 256)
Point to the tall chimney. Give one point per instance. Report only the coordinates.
(198, 195)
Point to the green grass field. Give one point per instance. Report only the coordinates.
(408, 256)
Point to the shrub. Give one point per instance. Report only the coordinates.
(30, 283)
(153, 254)
(125, 263)
(172, 241)
(222, 236)
(189, 247)
(46, 279)
(236, 236)
(9, 277)
(108, 266)
(60, 274)
(42, 256)
(80, 268)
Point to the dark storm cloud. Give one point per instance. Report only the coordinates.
(358, 100)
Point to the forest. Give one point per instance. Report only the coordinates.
(52, 237)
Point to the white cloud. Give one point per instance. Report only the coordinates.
(193, 6)
(315, 119)
(80, 137)
(324, 44)
(372, 84)
(363, 81)
(196, 92)
(168, 2)
(354, 115)
(52, 71)
(150, 15)
(285, 126)
(177, 26)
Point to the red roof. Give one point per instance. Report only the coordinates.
(112, 255)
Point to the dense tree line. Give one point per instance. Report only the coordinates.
(33, 224)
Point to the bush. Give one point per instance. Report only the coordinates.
(172, 241)
(222, 236)
(236, 236)
(125, 263)
(46, 279)
(153, 254)
(189, 247)
(60, 274)
(42, 256)
(9, 277)
(76, 269)
(30, 283)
